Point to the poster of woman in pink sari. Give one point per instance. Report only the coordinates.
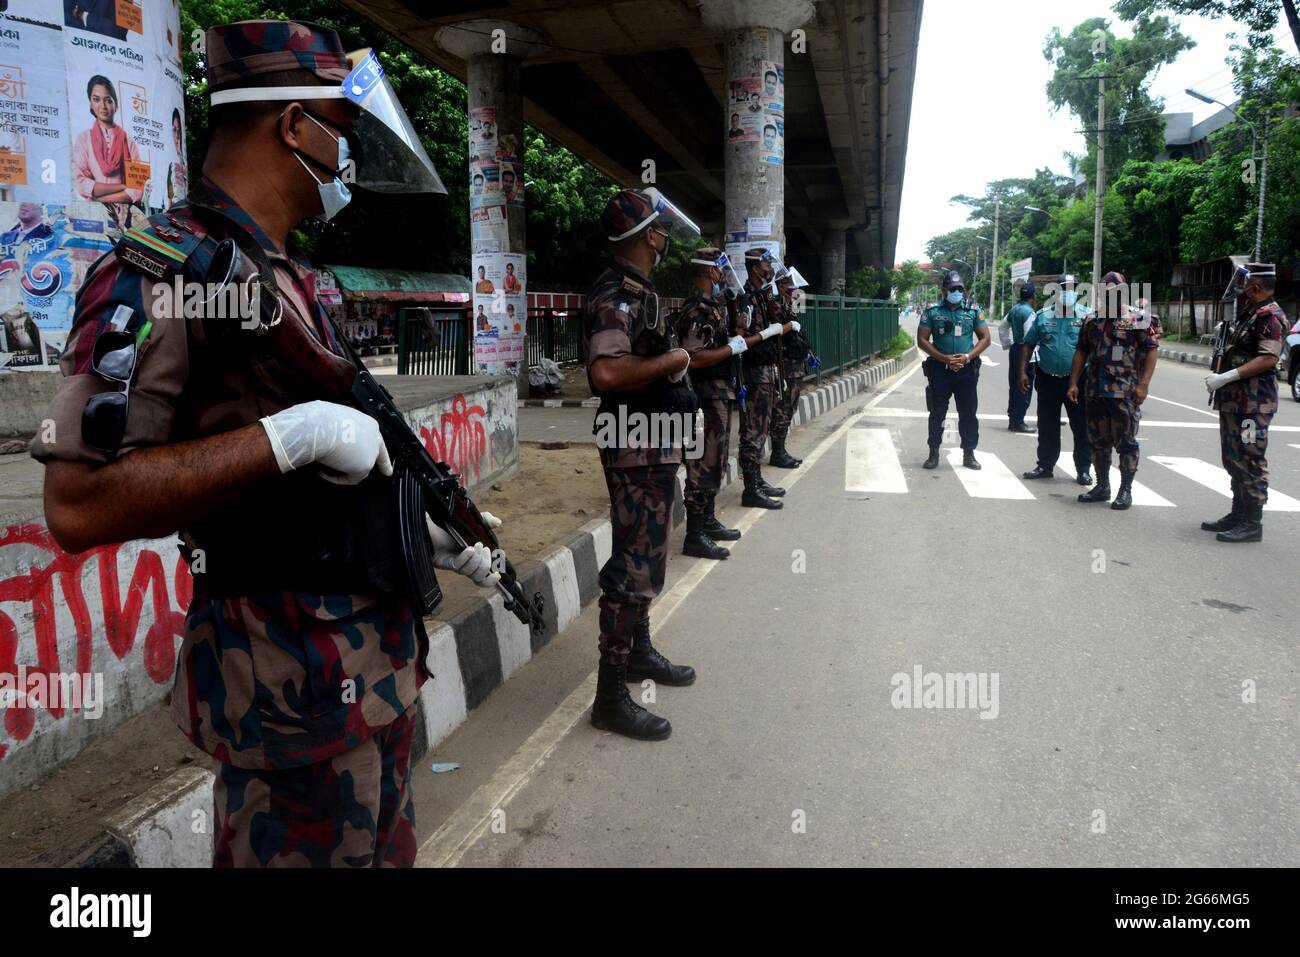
(101, 154)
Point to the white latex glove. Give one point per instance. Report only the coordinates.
(772, 330)
(794, 325)
(681, 373)
(474, 562)
(1219, 380)
(737, 344)
(344, 442)
(490, 520)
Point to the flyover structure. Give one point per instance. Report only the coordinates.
(769, 121)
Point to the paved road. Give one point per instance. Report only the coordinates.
(1119, 696)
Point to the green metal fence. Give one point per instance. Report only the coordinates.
(845, 331)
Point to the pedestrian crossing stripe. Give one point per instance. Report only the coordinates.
(871, 463)
(993, 480)
(1216, 480)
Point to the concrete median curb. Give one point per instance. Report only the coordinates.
(1195, 358)
(470, 656)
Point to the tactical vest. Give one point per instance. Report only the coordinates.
(725, 370)
(764, 353)
(297, 532)
(660, 396)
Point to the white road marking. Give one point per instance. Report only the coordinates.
(871, 463)
(467, 824)
(1141, 494)
(994, 480)
(1189, 408)
(1216, 480)
(989, 362)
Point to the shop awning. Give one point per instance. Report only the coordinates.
(364, 284)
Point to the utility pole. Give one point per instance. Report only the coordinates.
(1263, 182)
(1101, 183)
(993, 259)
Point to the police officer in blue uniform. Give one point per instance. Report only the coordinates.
(952, 334)
(1054, 331)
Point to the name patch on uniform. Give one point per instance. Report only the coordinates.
(146, 264)
(631, 284)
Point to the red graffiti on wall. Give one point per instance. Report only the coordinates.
(120, 619)
(461, 441)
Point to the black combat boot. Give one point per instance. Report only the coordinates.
(645, 662)
(1037, 472)
(1229, 521)
(1084, 477)
(932, 460)
(715, 529)
(754, 496)
(1251, 526)
(1021, 427)
(697, 543)
(782, 459)
(614, 710)
(969, 461)
(1124, 497)
(770, 490)
(1099, 492)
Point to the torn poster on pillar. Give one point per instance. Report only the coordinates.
(736, 251)
(773, 87)
(771, 148)
(483, 134)
(500, 311)
(484, 184)
(512, 178)
(489, 222)
(746, 110)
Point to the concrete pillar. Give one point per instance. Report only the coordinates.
(832, 251)
(494, 52)
(755, 35)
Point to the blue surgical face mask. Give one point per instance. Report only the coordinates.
(717, 290)
(954, 297)
(334, 194)
(1069, 298)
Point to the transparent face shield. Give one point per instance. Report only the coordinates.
(386, 152)
(672, 220)
(731, 284)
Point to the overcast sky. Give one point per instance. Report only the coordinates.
(979, 62)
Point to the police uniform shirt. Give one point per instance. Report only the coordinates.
(1019, 315)
(1057, 338)
(952, 331)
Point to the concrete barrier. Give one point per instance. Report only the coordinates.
(116, 613)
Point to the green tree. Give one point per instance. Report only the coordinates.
(1134, 127)
(1259, 16)
(906, 279)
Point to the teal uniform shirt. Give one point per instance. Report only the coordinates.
(1018, 316)
(952, 329)
(1056, 337)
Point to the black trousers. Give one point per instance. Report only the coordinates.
(961, 386)
(1051, 396)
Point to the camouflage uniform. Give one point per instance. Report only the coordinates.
(703, 325)
(1246, 407)
(640, 479)
(282, 683)
(763, 388)
(1115, 350)
(794, 358)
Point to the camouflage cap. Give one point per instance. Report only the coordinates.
(705, 257)
(237, 53)
(628, 211)
(1114, 278)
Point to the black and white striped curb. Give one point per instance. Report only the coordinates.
(1195, 358)
(470, 656)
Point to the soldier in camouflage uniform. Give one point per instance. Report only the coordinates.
(636, 368)
(1119, 346)
(301, 660)
(795, 351)
(702, 331)
(762, 380)
(1245, 393)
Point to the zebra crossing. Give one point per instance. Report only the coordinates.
(872, 465)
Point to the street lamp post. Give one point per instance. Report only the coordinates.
(1254, 146)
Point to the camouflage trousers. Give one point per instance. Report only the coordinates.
(756, 418)
(641, 516)
(1112, 424)
(353, 810)
(1243, 437)
(704, 474)
(786, 406)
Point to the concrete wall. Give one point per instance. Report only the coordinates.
(24, 396)
(118, 610)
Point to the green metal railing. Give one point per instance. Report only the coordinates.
(845, 331)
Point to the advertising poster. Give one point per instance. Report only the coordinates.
(33, 115)
(736, 251)
(512, 178)
(500, 311)
(484, 185)
(745, 113)
(483, 134)
(36, 284)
